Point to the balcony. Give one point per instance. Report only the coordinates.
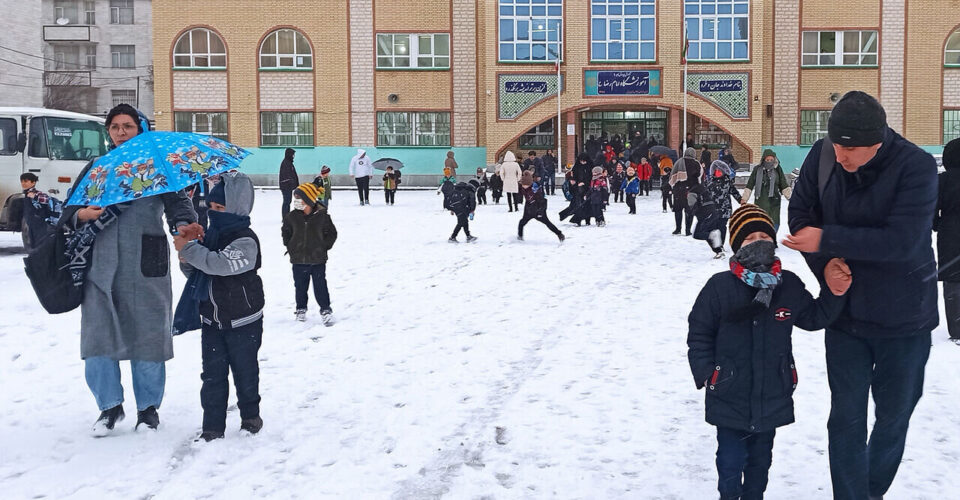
(66, 78)
(70, 33)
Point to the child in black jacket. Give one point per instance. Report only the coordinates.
(461, 201)
(232, 313)
(740, 350)
(482, 185)
(309, 234)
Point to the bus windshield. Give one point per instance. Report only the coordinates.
(71, 139)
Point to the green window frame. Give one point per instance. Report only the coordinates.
(286, 128)
(213, 123)
(409, 128)
(951, 125)
(813, 125)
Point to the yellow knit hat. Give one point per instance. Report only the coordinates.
(309, 193)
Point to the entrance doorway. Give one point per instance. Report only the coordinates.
(624, 123)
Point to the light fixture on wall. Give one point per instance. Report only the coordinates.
(393, 98)
(834, 97)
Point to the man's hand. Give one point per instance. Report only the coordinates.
(191, 231)
(838, 276)
(806, 240)
(89, 213)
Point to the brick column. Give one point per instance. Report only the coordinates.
(569, 141)
(362, 115)
(464, 48)
(673, 139)
(786, 73)
(892, 56)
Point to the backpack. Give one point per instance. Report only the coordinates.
(458, 201)
(47, 268)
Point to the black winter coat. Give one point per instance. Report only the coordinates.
(583, 173)
(238, 298)
(743, 355)
(947, 224)
(880, 220)
(534, 203)
(288, 174)
(308, 238)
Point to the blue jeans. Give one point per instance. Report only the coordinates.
(893, 369)
(743, 463)
(302, 274)
(103, 379)
(550, 183)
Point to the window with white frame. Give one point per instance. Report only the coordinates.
(286, 49)
(286, 129)
(839, 48)
(66, 57)
(199, 48)
(214, 124)
(122, 56)
(951, 55)
(66, 9)
(124, 97)
(623, 30)
(412, 50)
(813, 125)
(121, 11)
(539, 137)
(717, 30)
(403, 128)
(89, 12)
(951, 125)
(90, 57)
(530, 30)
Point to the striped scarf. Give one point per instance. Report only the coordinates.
(756, 265)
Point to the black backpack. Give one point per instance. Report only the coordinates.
(458, 200)
(47, 268)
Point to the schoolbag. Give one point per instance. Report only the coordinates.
(458, 200)
(47, 268)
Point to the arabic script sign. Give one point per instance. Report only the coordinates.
(526, 87)
(618, 83)
(728, 91)
(721, 85)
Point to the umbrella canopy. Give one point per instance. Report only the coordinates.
(383, 163)
(154, 163)
(665, 151)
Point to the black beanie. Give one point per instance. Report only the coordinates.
(857, 120)
(951, 154)
(218, 194)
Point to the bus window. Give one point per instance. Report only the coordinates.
(8, 136)
(71, 139)
(37, 143)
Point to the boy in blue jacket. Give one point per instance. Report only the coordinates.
(631, 186)
(740, 350)
(232, 311)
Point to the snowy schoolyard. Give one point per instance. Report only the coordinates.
(498, 369)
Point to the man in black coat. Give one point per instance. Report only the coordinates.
(550, 173)
(872, 214)
(288, 180)
(946, 223)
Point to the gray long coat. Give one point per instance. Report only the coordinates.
(127, 308)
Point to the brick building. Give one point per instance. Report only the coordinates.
(412, 80)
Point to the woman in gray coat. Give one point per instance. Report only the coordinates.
(126, 312)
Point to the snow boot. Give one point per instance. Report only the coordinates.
(107, 421)
(326, 317)
(149, 418)
(301, 315)
(471, 239)
(452, 240)
(719, 255)
(208, 436)
(520, 237)
(676, 233)
(251, 425)
(956, 341)
(561, 237)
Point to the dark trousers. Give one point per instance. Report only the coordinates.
(632, 202)
(743, 462)
(542, 218)
(667, 199)
(481, 197)
(285, 207)
(645, 185)
(678, 217)
(513, 201)
(462, 222)
(596, 209)
(550, 184)
(302, 274)
(496, 194)
(389, 195)
(951, 301)
(363, 189)
(723, 230)
(224, 351)
(618, 196)
(893, 369)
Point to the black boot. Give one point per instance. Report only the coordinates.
(209, 436)
(149, 418)
(107, 421)
(251, 425)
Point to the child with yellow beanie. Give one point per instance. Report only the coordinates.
(309, 234)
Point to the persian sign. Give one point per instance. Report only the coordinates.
(620, 83)
(721, 85)
(526, 87)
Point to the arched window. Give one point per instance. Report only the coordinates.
(286, 48)
(951, 56)
(200, 48)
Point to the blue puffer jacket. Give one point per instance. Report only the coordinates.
(744, 353)
(631, 185)
(880, 220)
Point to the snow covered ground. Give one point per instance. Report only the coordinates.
(499, 369)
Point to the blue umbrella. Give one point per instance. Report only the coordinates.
(154, 163)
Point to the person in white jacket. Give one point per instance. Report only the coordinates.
(510, 172)
(361, 168)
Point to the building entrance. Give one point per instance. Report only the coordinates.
(624, 123)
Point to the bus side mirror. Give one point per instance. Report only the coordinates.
(21, 142)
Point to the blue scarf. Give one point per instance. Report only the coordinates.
(197, 289)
